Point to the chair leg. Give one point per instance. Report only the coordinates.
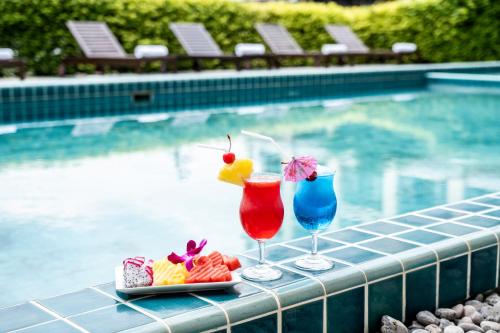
(196, 65)
(341, 60)
(237, 63)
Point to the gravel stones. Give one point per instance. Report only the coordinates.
(470, 327)
(433, 328)
(443, 323)
(391, 325)
(493, 299)
(426, 318)
(490, 325)
(475, 303)
(453, 329)
(469, 310)
(459, 310)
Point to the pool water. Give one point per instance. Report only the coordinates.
(76, 200)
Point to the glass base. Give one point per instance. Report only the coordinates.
(314, 263)
(261, 273)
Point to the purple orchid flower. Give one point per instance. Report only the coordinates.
(191, 252)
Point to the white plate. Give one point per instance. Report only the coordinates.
(176, 288)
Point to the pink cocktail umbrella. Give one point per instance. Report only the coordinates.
(299, 168)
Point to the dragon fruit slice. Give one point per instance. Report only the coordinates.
(137, 272)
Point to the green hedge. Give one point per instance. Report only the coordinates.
(445, 30)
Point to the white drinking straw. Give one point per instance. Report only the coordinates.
(212, 147)
(265, 138)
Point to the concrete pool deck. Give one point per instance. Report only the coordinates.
(381, 267)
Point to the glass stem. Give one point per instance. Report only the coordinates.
(261, 252)
(314, 250)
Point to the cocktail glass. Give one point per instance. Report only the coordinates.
(261, 215)
(315, 205)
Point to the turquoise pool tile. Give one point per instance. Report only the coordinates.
(452, 281)
(414, 220)
(110, 289)
(111, 319)
(348, 235)
(450, 248)
(385, 298)
(236, 292)
(383, 228)
(388, 245)
(417, 281)
(205, 318)
(323, 244)
(453, 229)
(346, 311)
(469, 207)
(251, 306)
(304, 318)
(495, 213)
(170, 305)
(268, 324)
(381, 268)
(489, 201)
(483, 270)
(276, 253)
(480, 221)
(353, 255)
(287, 278)
(481, 240)
(77, 302)
(423, 237)
(442, 213)
(417, 257)
(21, 316)
(57, 326)
(299, 291)
(337, 280)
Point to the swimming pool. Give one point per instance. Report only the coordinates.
(78, 197)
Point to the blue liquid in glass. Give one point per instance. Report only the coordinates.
(315, 203)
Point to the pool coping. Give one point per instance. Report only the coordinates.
(381, 266)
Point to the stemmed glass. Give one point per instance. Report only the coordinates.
(261, 215)
(315, 205)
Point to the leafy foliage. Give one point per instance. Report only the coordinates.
(445, 30)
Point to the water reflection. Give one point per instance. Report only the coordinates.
(144, 188)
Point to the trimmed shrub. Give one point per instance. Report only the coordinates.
(445, 30)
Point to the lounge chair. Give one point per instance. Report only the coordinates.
(199, 45)
(283, 45)
(343, 34)
(101, 48)
(8, 60)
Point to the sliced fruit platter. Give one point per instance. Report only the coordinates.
(189, 272)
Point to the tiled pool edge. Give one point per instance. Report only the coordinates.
(114, 96)
(382, 266)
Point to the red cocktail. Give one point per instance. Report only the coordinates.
(261, 215)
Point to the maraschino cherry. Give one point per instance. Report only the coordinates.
(229, 157)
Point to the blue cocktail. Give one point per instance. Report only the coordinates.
(314, 205)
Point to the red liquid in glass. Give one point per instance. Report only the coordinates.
(261, 209)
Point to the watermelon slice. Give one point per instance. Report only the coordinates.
(231, 263)
(216, 258)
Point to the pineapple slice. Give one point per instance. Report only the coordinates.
(167, 273)
(236, 172)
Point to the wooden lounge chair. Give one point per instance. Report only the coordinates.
(343, 34)
(17, 63)
(199, 45)
(282, 44)
(101, 48)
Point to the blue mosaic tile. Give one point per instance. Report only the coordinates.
(236, 292)
(58, 326)
(77, 302)
(383, 228)
(111, 319)
(469, 207)
(323, 244)
(346, 311)
(414, 220)
(304, 318)
(495, 213)
(480, 221)
(416, 282)
(442, 213)
(494, 201)
(165, 306)
(453, 229)
(21, 316)
(268, 324)
(388, 245)
(336, 266)
(423, 237)
(277, 253)
(452, 281)
(353, 255)
(287, 278)
(110, 289)
(349, 235)
(483, 270)
(385, 298)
